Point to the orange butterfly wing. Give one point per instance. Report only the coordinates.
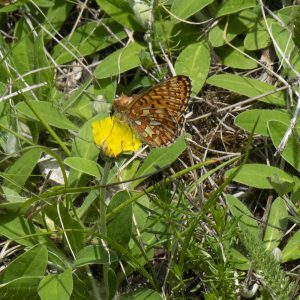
(156, 115)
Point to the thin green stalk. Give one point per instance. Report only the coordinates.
(102, 209)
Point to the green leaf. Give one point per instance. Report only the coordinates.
(31, 263)
(120, 227)
(236, 59)
(184, 9)
(248, 87)
(24, 232)
(95, 254)
(260, 118)
(84, 165)
(237, 24)
(276, 224)
(238, 259)
(258, 175)
(47, 112)
(243, 215)
(58, 286)
(83, 146)
(18, 172)
(160, 158)
(85, 40)
(79, 102)
(74, 230)
(281, 187)
(44, 72)
(142, 295)
(112, 283)
(22, 275)
(296, 36)
(120, 61)
(121, 12)
(288, 49)
(291, 250)
(21, 59)
(291, 151)
(12, 7)
(194, 61)
(232, 6)
(257, 39)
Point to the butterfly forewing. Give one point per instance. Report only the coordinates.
(156, 114)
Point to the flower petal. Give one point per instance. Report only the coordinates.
(114, 137)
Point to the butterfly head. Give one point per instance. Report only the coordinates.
(120, 105)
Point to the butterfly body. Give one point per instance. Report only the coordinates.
(156, 115)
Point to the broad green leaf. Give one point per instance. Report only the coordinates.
(287, 47)
(30, 263)
(257, 39)
(47, 112)
(44, 3)
(24, 232)
(236, 59)
(146, 237)
(74, 230)
(288, 14)
(142, 295)
(112, 283)
(259, 175)
(296, 36)
(21, 59)
(14, 201)
(56, 286)
(140, 214)
(83, 146)
(243, 215)
(276, 224)
(238, 260)
(18, 172)
(291, 250)
(95, 254)
(248, 87)
(121, 12)
(142, 11)
(11, 7)
(160, 158)
(177, 36)
(84, 165)
(260, 118)
(120, 227)
(232, 6)
(79, 102)
(120, 61)
(194, 61)
(87, 203)
(44, 70)
(291, 151)
(88, 39)
(184, 9)
(281, 187)
(237, 24)
(295, 195)
(22, 275)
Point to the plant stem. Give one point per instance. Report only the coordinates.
(102, 209)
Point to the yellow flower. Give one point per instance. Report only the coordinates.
(114, 137)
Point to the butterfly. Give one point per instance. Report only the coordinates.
(156, 115)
